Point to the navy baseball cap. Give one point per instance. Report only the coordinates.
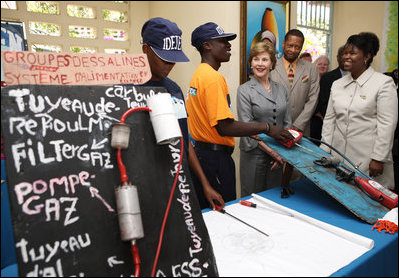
(164, 38)
(209, 31)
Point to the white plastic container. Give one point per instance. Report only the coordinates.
(163, 118)
(120, 136)
(129, 214)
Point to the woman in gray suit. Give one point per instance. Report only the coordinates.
(261, 100)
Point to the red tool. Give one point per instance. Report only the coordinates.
(372, 188)
(252, 205)
(248, 204)
(289, 143)
(220, 209)
(379, 192)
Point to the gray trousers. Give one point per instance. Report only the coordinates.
(255, 173)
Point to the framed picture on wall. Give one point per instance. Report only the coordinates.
(13, 36)
(256, 18)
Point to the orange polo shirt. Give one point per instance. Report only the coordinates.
(208, 101)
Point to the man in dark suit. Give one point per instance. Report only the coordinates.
(394, 75)
(326, 82)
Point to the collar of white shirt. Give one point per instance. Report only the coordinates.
(361, 79)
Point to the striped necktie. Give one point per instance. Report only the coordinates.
(290, 75)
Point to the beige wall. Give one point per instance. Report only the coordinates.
(352, 17)
(139, 12)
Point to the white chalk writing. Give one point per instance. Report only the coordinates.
(192, 268)
(33, 200)
(47, 251)
(57, 151)
(184, 200)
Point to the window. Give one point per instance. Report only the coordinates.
(42, 7)
(115, 16)
(45, 48)
(81, 49)
(112, 34)
(11, 5)
(42, 28)
(314, 19)
(79, 11)
(93, 26)
(82, 32)
(114, 51)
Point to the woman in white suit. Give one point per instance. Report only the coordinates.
(261, 100)
(362, 111)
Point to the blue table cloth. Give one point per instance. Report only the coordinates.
(8, 256)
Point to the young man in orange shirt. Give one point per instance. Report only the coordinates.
(211, 122)
(162, 57)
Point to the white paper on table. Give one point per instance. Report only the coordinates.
(296, 246)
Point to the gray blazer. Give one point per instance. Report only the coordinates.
(304, 93)
(254, 104)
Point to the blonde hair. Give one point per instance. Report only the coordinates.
(322, 57)
(262, 47)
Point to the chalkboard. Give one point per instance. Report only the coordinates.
(62, 174)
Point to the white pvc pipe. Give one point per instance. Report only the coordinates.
(163, 118)
(352, 237)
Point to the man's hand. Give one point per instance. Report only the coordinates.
(255, 137)
(318, 114)
(277, 159)
(376, 168)
(297, 129)
(213, 197)
(280, 133)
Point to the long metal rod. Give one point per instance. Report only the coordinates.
(309, 150)
(225, 212)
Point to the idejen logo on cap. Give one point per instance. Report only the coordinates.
(172, 43)
(219, 30)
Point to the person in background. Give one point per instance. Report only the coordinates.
(268, 36)
(210, 119)
(299, 78)
(326, 81)
(322, 63)
(162, 59)
(306, 56)
(261, 100)
(394, 75)
(301, 81)
(362, 111)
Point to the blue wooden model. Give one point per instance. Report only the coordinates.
(348, 194)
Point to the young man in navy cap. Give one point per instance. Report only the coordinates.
(210, 119)
(162, 43)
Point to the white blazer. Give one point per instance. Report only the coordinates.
(361, 119)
